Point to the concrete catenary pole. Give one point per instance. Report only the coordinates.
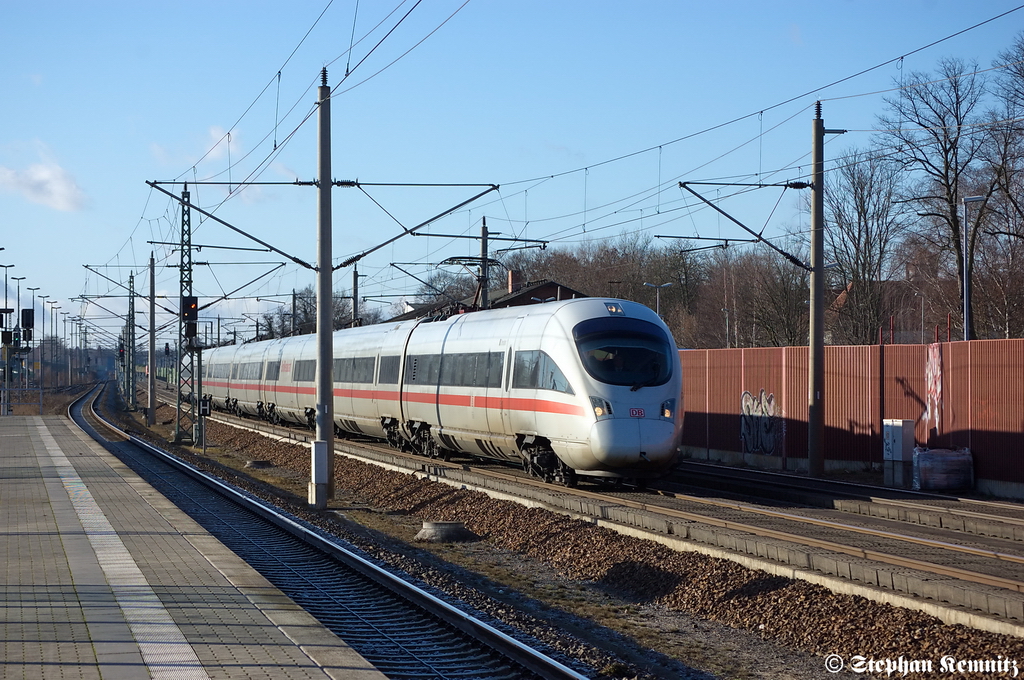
(321, 485)
(355, 295)
(129, 331)
(484, 273)
(151, 387)
(816, 358)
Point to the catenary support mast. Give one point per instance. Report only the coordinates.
(321, 485)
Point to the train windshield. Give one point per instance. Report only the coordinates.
(623, 351)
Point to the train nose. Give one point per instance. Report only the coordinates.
(633, 442)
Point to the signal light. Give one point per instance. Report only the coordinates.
(28, 317)
(189, 308)
(191, 329)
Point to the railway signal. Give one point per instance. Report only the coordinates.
(190, 314)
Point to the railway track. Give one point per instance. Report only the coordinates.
(959, 559)
(404, 630)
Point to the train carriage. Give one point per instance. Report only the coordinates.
(587, 386)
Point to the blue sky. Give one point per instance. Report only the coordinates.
(539, 97)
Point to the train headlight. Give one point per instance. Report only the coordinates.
(668, 409)
(602, 408)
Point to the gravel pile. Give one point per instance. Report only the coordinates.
(791, 613)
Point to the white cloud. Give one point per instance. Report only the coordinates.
(45, 183)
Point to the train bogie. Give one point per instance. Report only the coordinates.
(574, 387)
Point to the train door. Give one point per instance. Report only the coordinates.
(271, 372)
(506, 423)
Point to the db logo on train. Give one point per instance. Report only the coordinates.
(636, 413)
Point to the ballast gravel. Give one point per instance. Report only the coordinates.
(709, 617)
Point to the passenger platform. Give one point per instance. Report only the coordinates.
(104, 578)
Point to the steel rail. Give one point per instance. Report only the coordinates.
(504, 644)
(863, 492)
(864, 553)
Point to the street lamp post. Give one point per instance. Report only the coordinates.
(33, 308)
(967, 261)
(17, 310)
(66, 352)
(17, 324)
(6, 267)
(921, 295)
(53, 344)
(73, 358)
(657, 295)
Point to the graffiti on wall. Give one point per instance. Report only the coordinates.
(761, 429)
(933, 385)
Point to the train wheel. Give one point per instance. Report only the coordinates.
(568, 476)
(394, 437)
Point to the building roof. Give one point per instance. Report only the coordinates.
(530, 293)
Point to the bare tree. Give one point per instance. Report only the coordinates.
(999, 278)
(443, 285)
(864, 219)
(775, 293)
(932, 129)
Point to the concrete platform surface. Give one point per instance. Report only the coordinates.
(104, 578)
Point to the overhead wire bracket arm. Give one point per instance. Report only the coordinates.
(355, 258)
(200, 247)
(489, 238)
(792, 258)
(169, 311)
(782, 185)
(228, 295)
(231, 227)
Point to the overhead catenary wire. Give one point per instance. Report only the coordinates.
(589, 220)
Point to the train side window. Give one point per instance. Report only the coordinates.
(251, 370)
(494, 361)
(471, 369)
(234, 371)
(353, 370)
(535, 370)
(508, 370)
(342, 371)
(389, 370)
(304, 370)
(362, 369)
(457, 370)
(273, 370)
(422, 369)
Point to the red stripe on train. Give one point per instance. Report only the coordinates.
(464, 400)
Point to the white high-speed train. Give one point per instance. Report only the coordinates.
(578, 387)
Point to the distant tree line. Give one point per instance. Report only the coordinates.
(896, 232)
(297, 316)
